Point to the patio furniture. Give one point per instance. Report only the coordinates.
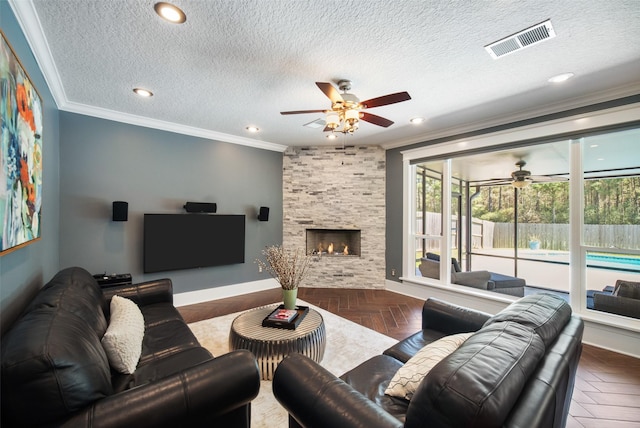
(624, 300)
(485, 280)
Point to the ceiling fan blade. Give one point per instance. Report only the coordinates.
(376, 120)
(386, 99)
(330, 91)
(302, 111)
(492, 182)
(547, 179)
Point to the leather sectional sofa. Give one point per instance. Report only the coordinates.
(55, 371)
(517, 369)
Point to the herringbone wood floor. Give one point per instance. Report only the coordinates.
(607, 389)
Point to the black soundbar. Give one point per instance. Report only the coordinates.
(201, 207)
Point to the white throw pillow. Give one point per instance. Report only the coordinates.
(406, 380)
(122, 341)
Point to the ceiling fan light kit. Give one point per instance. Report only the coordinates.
(520, 184)
(345, 113)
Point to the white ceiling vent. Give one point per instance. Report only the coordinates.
(318, 123)
(525, 38)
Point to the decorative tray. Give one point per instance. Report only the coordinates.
(289, 325)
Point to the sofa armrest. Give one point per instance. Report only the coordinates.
(451, 319)
(616, 305)
(314, 397)
(143, 293)
(192, 397)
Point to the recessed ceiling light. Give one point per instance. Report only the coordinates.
(417, 120)
(170, 13)
(593, 146)
(561, 78)
(252, 128)
(332, 136)
(143, 92)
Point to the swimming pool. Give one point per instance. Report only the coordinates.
(613, 261)
(611, 258)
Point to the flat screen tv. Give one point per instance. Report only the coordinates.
(187, 241)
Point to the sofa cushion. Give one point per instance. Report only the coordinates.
(75, 290)
(53, 358)
(123, 340)
(478, 384)
(407, 348)
(155, 370)
(546, 314)
(408, 377)
(371, 378)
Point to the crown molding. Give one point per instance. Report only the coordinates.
(162, 125)
(30, 24)
(573, 103)
(32, 29)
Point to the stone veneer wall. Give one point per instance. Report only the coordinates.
(336, 188)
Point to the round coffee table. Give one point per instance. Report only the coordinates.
(270, 345)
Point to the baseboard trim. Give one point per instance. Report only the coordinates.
(215, 293)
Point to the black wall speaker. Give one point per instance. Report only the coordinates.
(263, 215)
(120, 211)
(201, 207)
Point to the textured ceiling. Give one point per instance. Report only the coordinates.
(236, 63)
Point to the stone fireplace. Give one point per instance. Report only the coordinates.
(335, 195)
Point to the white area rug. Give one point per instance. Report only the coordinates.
(348, 344)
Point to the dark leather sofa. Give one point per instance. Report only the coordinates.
(516, 370)
(55, 371)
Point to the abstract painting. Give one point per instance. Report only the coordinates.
(20, 154)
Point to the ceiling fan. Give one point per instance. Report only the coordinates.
(522, 178)
(347, 110)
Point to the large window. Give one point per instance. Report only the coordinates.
(611, 222)
(559, 217)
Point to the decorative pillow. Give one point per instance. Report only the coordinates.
(406, 380)
(123, 340)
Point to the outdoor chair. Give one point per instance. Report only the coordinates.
(623, 300)
(499, 283)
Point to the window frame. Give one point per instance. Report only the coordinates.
(573, 128)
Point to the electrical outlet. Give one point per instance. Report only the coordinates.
(259, 269)
(393, 272)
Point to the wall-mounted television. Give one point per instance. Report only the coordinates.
(187, 241)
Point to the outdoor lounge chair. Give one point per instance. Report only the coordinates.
(623, 300)
(499, 283)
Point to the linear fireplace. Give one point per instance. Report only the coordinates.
(333, 242)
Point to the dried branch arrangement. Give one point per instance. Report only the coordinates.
(288, 268)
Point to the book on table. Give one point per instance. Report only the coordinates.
(283, 315)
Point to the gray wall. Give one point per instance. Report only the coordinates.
(157, 172)
(23, 271)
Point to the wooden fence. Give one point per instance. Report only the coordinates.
(556, 236)
(487, 234)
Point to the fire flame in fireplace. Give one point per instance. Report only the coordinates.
(332, 249)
